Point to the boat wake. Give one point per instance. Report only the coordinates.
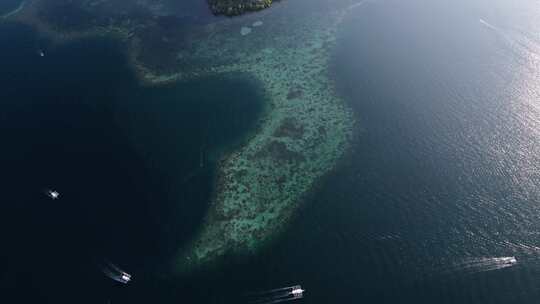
(488, 25)
(15, 11)
(276, 295)
(518, 43)
(355, 5)
(113, 272)
(477, 265)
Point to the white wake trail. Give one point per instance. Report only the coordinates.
(488, 25)
(477, 265)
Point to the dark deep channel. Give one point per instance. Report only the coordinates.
(133, 165)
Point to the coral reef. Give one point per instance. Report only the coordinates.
(305, 131)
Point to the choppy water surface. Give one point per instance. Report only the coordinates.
(438, 202)
(444, 184)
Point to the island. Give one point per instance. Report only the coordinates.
(237, 7)
(305, 130)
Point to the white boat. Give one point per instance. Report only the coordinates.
(277, 295)
(297, 292)
(115, 273)
(125, 277)
(53, 194)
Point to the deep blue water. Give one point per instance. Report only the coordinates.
(134, 165)
(441, 184)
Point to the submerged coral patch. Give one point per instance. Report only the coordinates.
(295, 93)
(245, 30)
(261, 184)
(291, 128)
(279, 152)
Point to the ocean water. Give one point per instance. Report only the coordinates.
(133, 165)
(7, 6)
(437, 202)
(444, 181)
(441, 191)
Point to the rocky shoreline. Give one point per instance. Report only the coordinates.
(237, 7)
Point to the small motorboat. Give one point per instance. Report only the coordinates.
(276, 295)
(53, 194)
(115, 273)
(125, 277)
(297, 292)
